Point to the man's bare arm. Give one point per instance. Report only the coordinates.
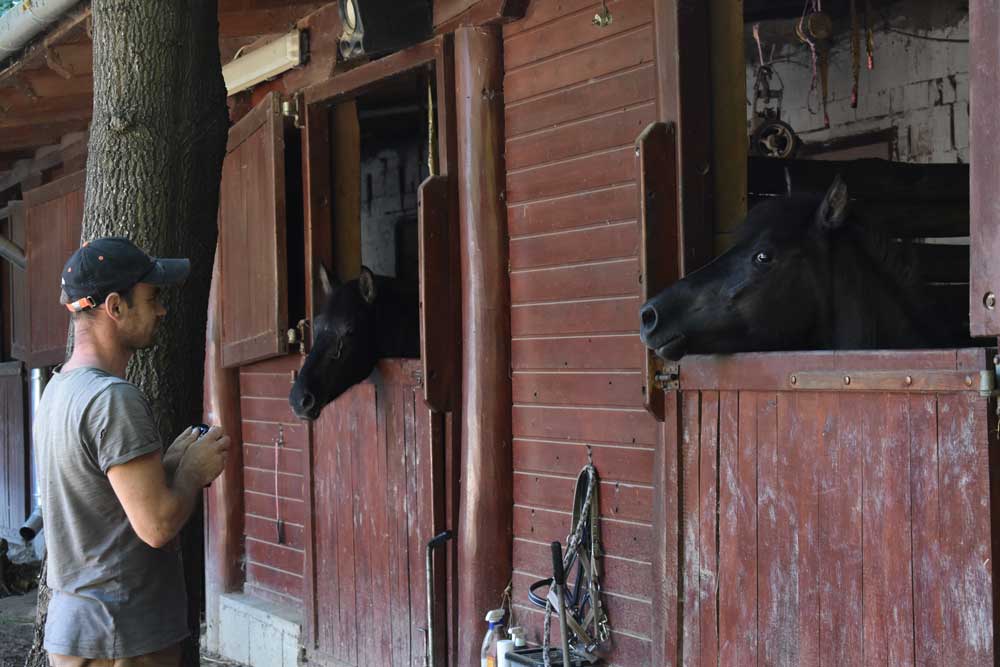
(156, 508)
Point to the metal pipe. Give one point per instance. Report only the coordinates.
(438, 540)
(21, 23)
(39, 380)
(13, 253)
(32, 526)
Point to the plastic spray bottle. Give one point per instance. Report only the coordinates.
(488, 654)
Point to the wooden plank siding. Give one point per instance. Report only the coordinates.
(576, 97)
(14, 470)
(274, 570)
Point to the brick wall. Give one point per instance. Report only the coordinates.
(918, 88)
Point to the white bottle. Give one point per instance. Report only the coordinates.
(488, 654)
(517, 634)
(504, 646)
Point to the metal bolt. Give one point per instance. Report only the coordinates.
(908, 380)
(847, 379)
(990, 300)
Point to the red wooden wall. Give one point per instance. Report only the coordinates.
(577, 96)
(273, 570)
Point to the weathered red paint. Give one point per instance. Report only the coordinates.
(853, 526)
(484, 528)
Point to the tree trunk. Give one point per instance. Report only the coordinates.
(157, 142)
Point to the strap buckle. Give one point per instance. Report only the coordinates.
(81, 304)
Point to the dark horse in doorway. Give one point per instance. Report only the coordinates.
(806, 272)
(362, 321)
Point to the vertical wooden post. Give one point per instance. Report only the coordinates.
(684, 97)
(224, 498)
(486, 497)
(729, 119)
(346, 133)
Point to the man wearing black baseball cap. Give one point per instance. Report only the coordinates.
(112, 500)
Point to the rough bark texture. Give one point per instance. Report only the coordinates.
(156, 148)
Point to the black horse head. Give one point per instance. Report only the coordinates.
(362, 321)
(804, 273)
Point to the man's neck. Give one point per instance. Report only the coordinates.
(91, 352)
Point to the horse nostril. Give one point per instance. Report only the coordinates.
(308, 400)
(649, 318)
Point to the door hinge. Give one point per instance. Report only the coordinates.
(292, 108)
(668, 378)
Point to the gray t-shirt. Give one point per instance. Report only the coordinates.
(114, 596)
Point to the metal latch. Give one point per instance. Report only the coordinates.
(668, 378)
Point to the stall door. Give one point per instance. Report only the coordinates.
(828, 509)
(372, 508)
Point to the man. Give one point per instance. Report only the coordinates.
(113, 502)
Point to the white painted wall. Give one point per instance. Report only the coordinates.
(919, 88)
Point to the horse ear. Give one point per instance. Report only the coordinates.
(325, 280)
(366, 284)
(832, 210)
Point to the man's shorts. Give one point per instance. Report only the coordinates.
(168, 657)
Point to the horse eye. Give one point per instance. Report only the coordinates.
(763, 257)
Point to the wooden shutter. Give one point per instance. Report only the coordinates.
(438, 320)
(54, 222)
(14, 473)
(252, 243)
(660, 257)
(984, 142)
(16, 287)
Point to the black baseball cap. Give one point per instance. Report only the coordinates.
(114, 264)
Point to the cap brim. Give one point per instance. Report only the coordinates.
(168, 272)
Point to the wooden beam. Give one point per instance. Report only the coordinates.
(39, 135)
(346, 191)
(358, 80)
(729, 116)
(484, 532)
(684, 97)
(251, 23)
(452, 14)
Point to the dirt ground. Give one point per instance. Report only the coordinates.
(17, 617)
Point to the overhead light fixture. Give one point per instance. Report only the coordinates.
(263, 63)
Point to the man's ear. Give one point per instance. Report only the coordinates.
(113, 306)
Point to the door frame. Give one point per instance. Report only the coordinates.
(315, 103)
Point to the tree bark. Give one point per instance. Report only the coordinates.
(157, 142)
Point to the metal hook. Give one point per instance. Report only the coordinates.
(603, 18)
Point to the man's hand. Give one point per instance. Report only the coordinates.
(204, 458)
(174, 453)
